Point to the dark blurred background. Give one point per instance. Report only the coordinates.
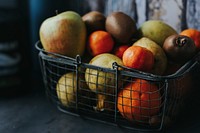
(15, 47)
(19, 31)
(20, 21)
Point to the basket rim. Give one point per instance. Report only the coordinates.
(38, 46)
(125, 70)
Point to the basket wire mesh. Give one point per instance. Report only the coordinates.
(151, 107)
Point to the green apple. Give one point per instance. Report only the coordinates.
(64, 34)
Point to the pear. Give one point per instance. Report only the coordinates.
(160, 57)
(102, 82)
(66, 89)
(64, 34)
(156, 30)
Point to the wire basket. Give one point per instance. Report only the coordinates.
(155, 104)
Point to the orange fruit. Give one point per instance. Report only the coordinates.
(119, 50)
(138, 57)
(100, 42)
(194, 34)
(139, 100)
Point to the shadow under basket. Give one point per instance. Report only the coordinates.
(128, 98)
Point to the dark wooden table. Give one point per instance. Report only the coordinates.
(32, 112)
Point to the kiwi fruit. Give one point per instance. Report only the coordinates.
(179, 48)
(121, 26)
(94, 20)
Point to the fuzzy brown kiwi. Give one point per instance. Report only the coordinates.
(94, 20)
(179, 48)
(121, 26)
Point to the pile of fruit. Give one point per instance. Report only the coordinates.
(154, 47)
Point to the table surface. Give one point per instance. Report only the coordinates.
(32, 112)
